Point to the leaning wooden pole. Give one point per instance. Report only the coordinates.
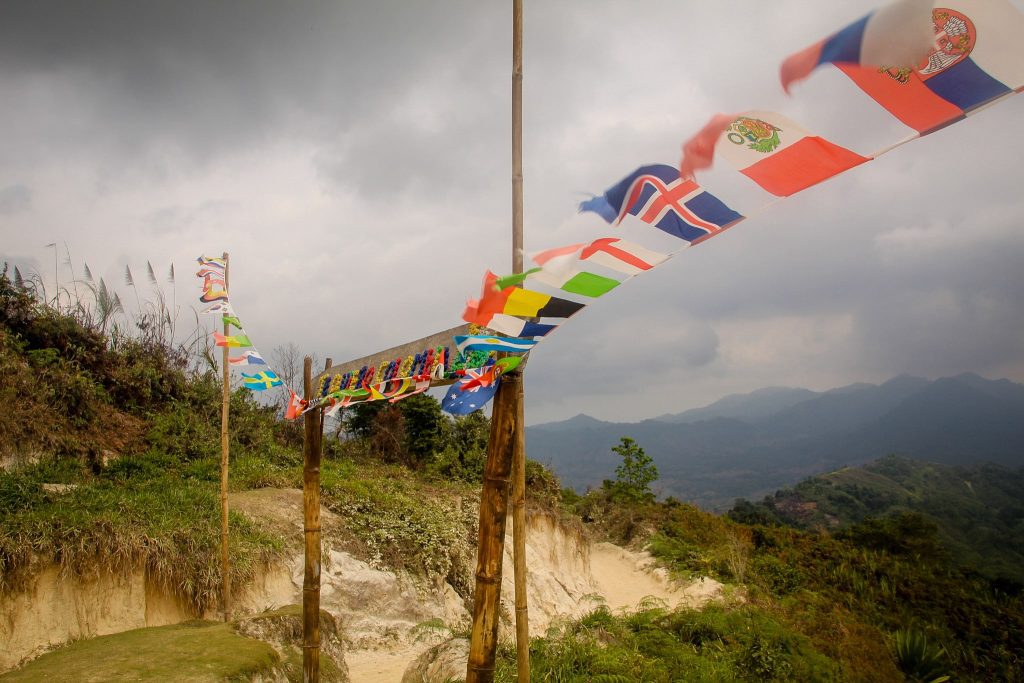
(491, 538)
(225, 566)
(518, 440)
(311, 528)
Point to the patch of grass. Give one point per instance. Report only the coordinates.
(195, 652)
(659, 645)
(135, 515)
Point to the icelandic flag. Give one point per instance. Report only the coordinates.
(471, 393)
(657, 195)
(895, 36)
(977, 57)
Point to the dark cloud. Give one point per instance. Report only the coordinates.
(359, 153)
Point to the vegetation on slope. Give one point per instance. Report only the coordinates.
(978, 509)
(878, 601)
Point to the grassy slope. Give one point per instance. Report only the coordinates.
(195, 652)
(978, 509)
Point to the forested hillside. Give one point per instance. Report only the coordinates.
(978, 510)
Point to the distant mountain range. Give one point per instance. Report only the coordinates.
(752, 444)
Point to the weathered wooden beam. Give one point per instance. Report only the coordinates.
(445, 338)
(491, 538)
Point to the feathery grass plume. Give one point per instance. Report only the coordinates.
(128, 279)
(170, 276)
(19, 281)
(150, 273)
(88, 273)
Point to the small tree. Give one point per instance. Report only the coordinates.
(634, 476)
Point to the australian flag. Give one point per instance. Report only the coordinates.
(657, 195)
(463, 400)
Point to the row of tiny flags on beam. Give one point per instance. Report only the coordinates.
(474, 365)
(950, 64)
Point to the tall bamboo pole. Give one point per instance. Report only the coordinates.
(518, 440)
(311, 527)
(491, 537)
(225, 566)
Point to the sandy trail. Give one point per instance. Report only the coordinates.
(623, 577)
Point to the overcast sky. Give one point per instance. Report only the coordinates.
(354, 159)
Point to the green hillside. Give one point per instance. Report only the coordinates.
(978, 509)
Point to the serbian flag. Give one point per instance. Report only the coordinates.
(978, 57)
(897, 36)
(657, 195)
(781, 156)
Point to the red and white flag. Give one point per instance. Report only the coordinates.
(780, 155)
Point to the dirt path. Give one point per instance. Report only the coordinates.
(625, 578)
(380, 666)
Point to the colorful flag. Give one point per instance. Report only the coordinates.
(459, 402)
(572, 281)
(657, 195)
(222, 307)
(897, 36)
(781, 156)
(211, 295)
(515, 301)
(295, 406)
(247, 358)
(517, 327)
(212, 262)
(481, 342)
(206, 271)
(421, 386)
(609, 252)
(231, 341)
(261, 381)
(229, 319)
(978, 58)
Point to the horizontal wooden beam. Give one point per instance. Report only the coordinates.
(445, 338)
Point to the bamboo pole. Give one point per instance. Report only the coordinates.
(313, 424)
(225, 566)
(518, 441)
(491, 538)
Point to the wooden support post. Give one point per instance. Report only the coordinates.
(519, 539)
(311, 526)
(491, 539)
(518, 441)
(225, 565)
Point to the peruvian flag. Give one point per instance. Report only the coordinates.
(780, 155)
